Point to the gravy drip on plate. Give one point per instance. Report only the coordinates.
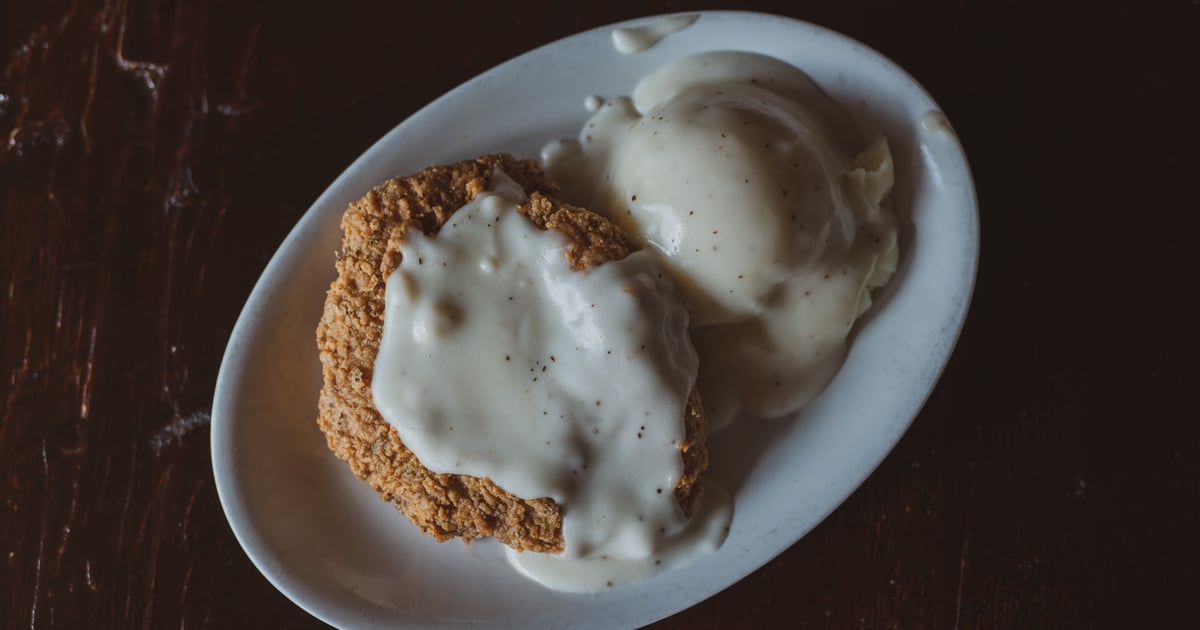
(635, 39)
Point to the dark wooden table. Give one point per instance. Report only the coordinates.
(154, 154)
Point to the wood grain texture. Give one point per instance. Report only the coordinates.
(154, 154)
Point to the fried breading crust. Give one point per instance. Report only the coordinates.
(351, 327)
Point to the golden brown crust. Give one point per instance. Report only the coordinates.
(351, 327)
(596, 240)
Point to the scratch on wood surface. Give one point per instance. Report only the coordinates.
(183, 590)
(39, 40)
(185, 524)
(66, 528)
(243, 103)
(90, 96)
(178, 428)
(60, 129)
(37, 565)
(87, 574)
(148, 73)
(161, 485)
(962, 571)
(128, 495)
(966, 543)
(28, 133)
(222, 207)
(16, 380)
(58, 310)
(85, 390)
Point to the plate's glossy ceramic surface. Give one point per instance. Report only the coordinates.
(325, 539)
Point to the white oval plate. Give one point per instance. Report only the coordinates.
(325, 539)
